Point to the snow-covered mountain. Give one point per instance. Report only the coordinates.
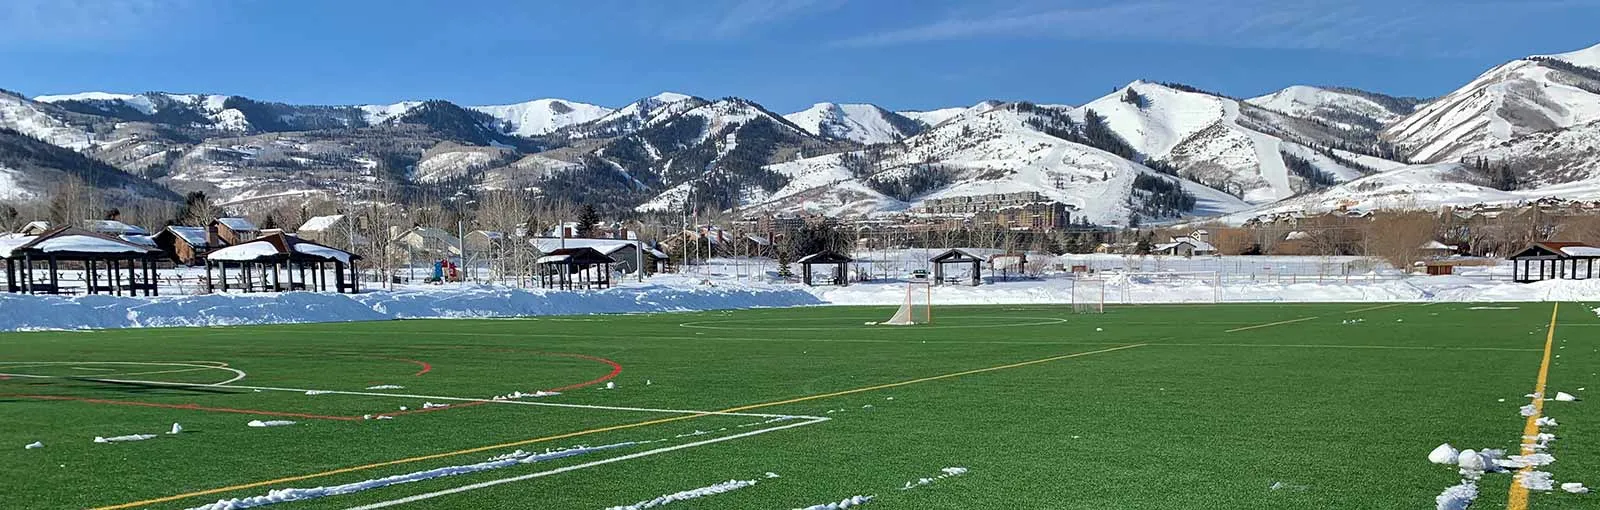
(1512, 100)
(862, 123)
(1205, 137)
(1001, 150)
(1345, 108)
(932, 117)
(39, 121)
(542, 116)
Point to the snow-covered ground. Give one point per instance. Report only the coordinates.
(752, 282)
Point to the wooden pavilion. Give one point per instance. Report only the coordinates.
(574, 268)
(840, 263)
(109, 265)
(1554, 260)
(958, 257)
(271, 262)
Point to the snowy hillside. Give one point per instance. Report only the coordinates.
(933, 117)
(380, 113)
(996, 151)
(10, 186)
(1202, 136)
(862, 123)
(542, 116)
(635, 115)
(32, 119)
(209, 111)
(1345, 108)
(1511, 100)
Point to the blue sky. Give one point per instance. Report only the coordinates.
(786, 54)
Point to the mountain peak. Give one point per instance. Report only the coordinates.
(1587, 57)
(671, 97)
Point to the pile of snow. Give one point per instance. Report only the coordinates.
(850, 502)
(386, 387)
(1565, 397)
(269, 423)
(286, 495)
(710, 490)
(1536, 481)
(1444, 454)
(517, 394)
(120, 439)
(27, 312)
(944, 473)
(1575, 488)
(34, 445)
(176, 429)
(1457, 497)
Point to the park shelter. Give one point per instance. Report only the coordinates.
(1554, 260)
(574, 268)
(184, 245)
(271, 263)
(838, 261)
(958, 257)
(109, 265)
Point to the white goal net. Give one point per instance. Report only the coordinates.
(917, 307)
(1088, 296)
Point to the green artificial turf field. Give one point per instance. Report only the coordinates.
(1326, 406)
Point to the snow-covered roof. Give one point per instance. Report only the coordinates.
(238, 224)
(1196, 243)
(1297, 235)
(9, 244)
(321, 223)
(761, 240)
(1581, 251)
(195, 236)
(81, 243)
(246, 252)
(489, 234)
(605, 246)
(318, 250)
(1436, 245)
(112, 227)
(141, 240)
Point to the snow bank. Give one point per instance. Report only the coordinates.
(1157, 288)
(25, 312)
(710, 490)
(1444, 454)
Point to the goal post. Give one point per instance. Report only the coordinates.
(1088, 295)
(917, 308)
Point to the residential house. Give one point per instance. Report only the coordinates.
(1186, 246)
(425, 243)
(185, 245)
(231, 231)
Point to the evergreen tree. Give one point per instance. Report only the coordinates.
(1134, 98)
(588, 218)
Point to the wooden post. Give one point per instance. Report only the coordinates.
(55, 276)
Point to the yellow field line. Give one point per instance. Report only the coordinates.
(296, 478)
(1517, 499)
(1270, 324)
(1379, 307)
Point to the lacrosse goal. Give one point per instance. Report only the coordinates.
(1088, 296)
(917, 307)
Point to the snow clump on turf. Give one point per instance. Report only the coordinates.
(317, 392)
(120, 439)
(1444, 454)
(1546, 421)
(431, 405)
(287, 495)
(709, 490)
(1457, 497)
(850, 502)
(945, 473)
(1536, 481)
(176, 429)
(1565, 397)
(1575, 488)
(1527, 410)
(269, 423)
(386, 387)
(517, 394)
(34, 445)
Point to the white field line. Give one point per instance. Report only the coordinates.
(237, 374)
(437, 397)
(491, 483)
(1337, 346)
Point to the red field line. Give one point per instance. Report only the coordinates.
(191, 407)
(616, 368)
(425, 366)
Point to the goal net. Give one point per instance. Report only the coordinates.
(1088, 296)
(917, 307)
